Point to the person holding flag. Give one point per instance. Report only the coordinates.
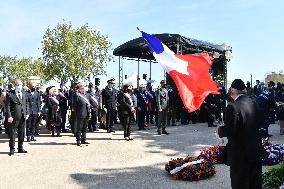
(81, 107)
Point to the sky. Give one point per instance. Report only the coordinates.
(253, 28)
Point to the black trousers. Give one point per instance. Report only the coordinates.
(150, 117)
(162, 119)
(172, 115)
(125, 121)
(109, 118)
(93, 121)
(141, 118)
(81, 129)
(38, 120)
(183, 116)
(31, 124)
(72, 121)
(17, 126)
(63, 120)
(210, 117)
(246, 175)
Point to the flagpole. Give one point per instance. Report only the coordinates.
(150, 70)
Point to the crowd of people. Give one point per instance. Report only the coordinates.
(84, 107)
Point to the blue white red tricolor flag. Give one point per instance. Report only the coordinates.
(190, 72)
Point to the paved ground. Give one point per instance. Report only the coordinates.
(109, 161)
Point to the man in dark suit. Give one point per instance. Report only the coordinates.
(210, 105)
(173, 95)
(94, 101)
(162, 105)
(244, 142)
(142, 104)
(63, 104)
(257, 88)
(152, 104)
(17, 109)
(35, 105)
(81, 107)
(109, 103)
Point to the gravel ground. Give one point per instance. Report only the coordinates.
(111, 162)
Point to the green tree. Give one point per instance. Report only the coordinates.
(15, 68)
(21, 69)
(5, 63)
(72, 54)
(39, 69)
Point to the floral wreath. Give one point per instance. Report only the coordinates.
(275, 154)
(213, 154)
(190, 168)
(202, 167)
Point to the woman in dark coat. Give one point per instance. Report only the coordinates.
(53, 112)
(125, 108)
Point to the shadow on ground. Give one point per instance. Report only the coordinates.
(142, 177)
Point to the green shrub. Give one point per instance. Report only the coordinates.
(274, 178)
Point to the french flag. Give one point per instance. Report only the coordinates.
(190, 72)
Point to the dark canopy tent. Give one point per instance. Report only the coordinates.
(138, 49)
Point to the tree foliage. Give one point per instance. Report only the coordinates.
(72, 54)
(275, 77)
(20, 68)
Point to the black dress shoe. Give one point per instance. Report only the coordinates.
(22, 151)
(142, 129)
(85, 142)
(78, 143)
(109, 131)
(33, 139)
(165, 133)
(159, 133)
(112, 131)
(12, 152)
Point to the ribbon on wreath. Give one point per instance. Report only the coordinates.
(177, 169)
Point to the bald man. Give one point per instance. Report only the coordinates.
(17, 108)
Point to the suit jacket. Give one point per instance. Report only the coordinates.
(109, 98)
(63, 102)
(94, 101)
(162, 99)
(141, 102)
(81, 108)
(242, 122)
(34, 102)
(16, 107)
(124, 104)
(2, 100)
(173, 95)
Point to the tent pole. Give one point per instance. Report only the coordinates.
(119, 72)
(138, 74)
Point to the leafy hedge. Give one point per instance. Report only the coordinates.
(274, 178)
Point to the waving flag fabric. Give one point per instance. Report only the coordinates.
(189, 72)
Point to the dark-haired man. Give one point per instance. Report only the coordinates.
(17, 110)
(241, 127)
